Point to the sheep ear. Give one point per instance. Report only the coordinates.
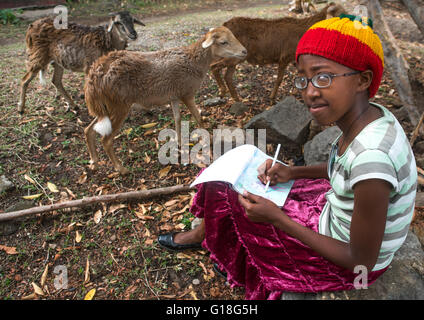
(139, 22)
(109, 29)
(207, 43)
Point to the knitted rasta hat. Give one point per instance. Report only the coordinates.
(348, 40)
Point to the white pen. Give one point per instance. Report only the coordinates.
(273, 162)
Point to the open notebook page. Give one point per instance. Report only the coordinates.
(229, 166)
(249, 181)
(239, 168)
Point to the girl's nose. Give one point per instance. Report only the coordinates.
(311, 91)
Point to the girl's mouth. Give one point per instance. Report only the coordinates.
(317, 108)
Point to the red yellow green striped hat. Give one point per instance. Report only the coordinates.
(348, 40)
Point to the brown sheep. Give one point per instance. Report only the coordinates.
(74, 48)
(267, 41)
(123, 78)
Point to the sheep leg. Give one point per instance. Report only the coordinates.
(90, 138)
(229, 73)
(24, 86)
(177, 119)
(107, 142)
(191, 104)
(216, 71)
(281, 68)
(57, 81)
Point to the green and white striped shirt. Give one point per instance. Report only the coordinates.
(380, 151)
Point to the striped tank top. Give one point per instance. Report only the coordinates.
(380, 151)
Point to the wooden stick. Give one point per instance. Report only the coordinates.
(142, 194)
(416, 131)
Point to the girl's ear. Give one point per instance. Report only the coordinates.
(365, 80)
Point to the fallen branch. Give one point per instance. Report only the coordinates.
(142, 194)
(416, 131)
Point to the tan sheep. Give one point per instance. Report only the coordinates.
(122, 78)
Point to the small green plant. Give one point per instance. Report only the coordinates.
(8, 17)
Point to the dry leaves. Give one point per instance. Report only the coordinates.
(44, 276)
(78, 236)
(97, 216)
(164, 172)
(37, 289)
(52, 187)
(90, 294)
(87, 272)
(8, 250)
(32, 197)
(149, 125)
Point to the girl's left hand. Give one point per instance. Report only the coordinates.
(259, 209)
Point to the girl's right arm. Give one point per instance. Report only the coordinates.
(282, 173)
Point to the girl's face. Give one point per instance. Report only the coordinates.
(331, 104)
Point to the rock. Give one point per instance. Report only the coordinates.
(318, 149)
(287, 123)
(238, 109)
(10, 227)
(420, 161)
(5, 184)
(196, 222)
(419, 147)
(402, 281)
(214, 102)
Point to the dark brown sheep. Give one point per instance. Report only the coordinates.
(268, 41)
(74, 48)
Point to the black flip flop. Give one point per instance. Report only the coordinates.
(167, 241)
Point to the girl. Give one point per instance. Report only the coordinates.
(353, 211)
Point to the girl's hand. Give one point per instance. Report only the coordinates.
(259, 209)
(277, 173)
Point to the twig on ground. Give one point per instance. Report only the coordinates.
(142, 194)
(416, 132)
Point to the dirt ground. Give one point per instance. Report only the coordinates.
(112, 248)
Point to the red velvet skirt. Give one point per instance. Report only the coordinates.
(261, 258)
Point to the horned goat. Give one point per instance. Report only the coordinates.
(122, 78)
(74, 48)
(268, 41)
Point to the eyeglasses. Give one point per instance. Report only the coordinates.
(320, 81)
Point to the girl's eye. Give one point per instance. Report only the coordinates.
(323, 79)
(224, 43)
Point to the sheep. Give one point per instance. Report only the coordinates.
(74, 48)
(122, 78)
(267, 41)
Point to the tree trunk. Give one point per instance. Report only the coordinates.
(394, 60)
(416, 10)
(143, 194)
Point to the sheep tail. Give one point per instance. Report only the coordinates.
(97, 108)
(42, 78)
(28, 38)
